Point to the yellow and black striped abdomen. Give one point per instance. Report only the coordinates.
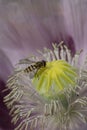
(29, 68)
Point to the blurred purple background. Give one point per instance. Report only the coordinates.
(28, 25)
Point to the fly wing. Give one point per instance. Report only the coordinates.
(23, 64)
(26, 61)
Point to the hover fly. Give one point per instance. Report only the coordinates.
(37, 65)
(29, 66)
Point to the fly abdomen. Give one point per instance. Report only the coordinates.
(28, 69)
(33, 67)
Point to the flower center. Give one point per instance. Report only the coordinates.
(55, 77)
